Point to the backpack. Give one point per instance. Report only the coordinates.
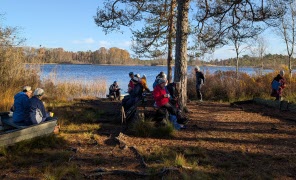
(275, 85)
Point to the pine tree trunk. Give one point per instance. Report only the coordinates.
(170, 39)
(181, 50)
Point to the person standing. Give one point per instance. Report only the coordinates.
(21, 105)
(278, 84)
(200, 80)
(114, 90)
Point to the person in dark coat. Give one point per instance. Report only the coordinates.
(135, 94)
(21, 106)
(278, 84)
(200, 80)
(174, 94)
(114, 90)
(37, 111)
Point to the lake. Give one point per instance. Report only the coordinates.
(91, 73)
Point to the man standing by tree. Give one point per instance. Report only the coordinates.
(200, 80)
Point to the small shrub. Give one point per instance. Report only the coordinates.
(180, 160)
(143, 128)
(147, 129)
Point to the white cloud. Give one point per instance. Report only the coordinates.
(125, 44)
(118, 44)
(105, 44)
(84, 41)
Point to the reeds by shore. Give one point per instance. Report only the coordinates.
(15, 75)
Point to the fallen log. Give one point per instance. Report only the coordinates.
(162, 172)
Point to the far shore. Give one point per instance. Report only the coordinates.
(203, 65)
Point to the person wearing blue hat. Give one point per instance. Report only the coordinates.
(114, 90)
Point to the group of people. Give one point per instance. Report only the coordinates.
(135, 81)
(28, 108)
(166, 94)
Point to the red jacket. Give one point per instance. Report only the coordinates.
(158, 94)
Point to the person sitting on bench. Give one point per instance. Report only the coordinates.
(114, 90)
(21, 106)
(135, 94)
(37, 111)
(162, 97)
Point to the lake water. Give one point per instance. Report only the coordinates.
(91, 73)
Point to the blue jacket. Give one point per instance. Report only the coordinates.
(21, 107)
(37, 111)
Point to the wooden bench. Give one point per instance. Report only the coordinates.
(110, 97)
(15, 133)
(8, 124)
(143, 108)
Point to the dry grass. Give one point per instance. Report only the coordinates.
(56, 92)
(221, 142)
(226, 87)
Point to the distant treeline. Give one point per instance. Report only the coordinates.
(101, 56)
(122, 57)
(268, 61)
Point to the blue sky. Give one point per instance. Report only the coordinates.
(69, 24)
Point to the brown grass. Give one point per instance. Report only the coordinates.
(220, 142)
(226, 87)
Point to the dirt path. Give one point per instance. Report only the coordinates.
(221, 142)
(246, 141)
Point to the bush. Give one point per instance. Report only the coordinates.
(226, 86)
(147, 129)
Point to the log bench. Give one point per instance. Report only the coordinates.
(144, 108)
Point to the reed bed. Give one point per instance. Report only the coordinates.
(55, 91)
(226, 86)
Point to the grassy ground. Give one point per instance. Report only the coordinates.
(220, 142)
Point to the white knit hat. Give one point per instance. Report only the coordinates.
(135, 79)
(27, 89)
(160, 81)
(197, 68)
(38, 92)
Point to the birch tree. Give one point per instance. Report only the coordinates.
(287, 30)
